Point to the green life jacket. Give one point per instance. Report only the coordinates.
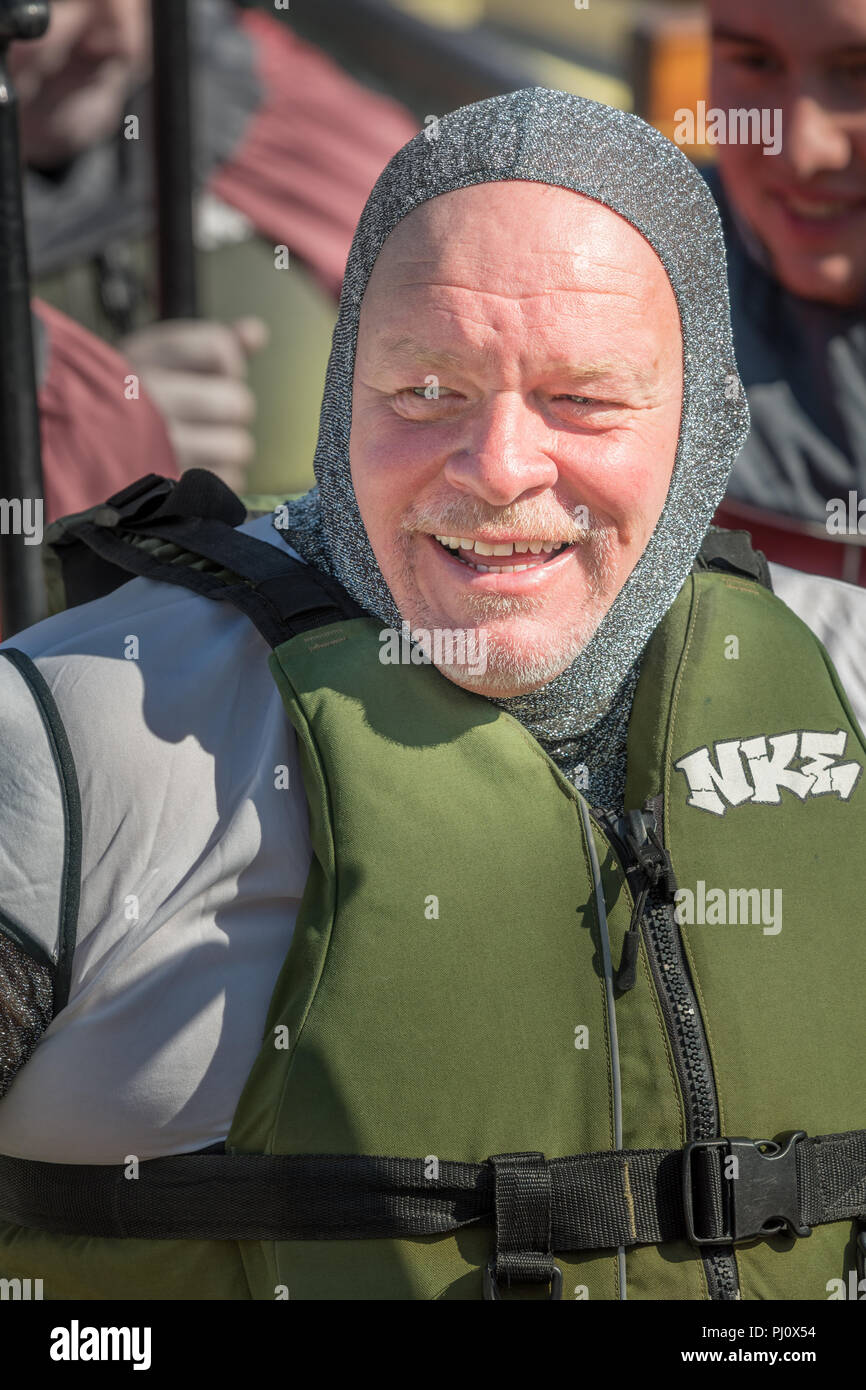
(504, 1057)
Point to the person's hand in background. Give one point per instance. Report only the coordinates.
(195, 371)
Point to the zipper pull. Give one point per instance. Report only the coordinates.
(644, 842)
(626, 975)
(641, 838)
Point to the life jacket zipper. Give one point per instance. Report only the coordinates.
(679, 1008)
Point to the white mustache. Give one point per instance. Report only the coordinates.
(460, 520)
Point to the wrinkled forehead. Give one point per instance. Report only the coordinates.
(511, 226)
(517, 253)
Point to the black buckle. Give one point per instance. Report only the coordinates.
(764, 1190)
(140, 498)
(491, 1288)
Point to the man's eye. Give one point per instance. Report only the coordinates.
(755, 62)
(752, 59)
(430, 392)
(579, 400)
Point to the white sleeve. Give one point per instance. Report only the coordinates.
(195, 855)
(836, 613)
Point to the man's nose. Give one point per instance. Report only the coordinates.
(501, 458)
(814, 139)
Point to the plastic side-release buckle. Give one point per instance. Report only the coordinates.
(760, 1188)
(140, 498)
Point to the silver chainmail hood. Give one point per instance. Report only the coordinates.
(551, 137)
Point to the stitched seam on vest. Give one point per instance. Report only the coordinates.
(269, 1248)
(668, 770)
(601, 985)
(740, 586)
(794, 618)
(675, 698)
(629, 1199)
(666, 802)
(840, 691)
(666, 1042)
(699, 994)
(328, 819)
(559, 778)
(612, 1262)
(571, 793)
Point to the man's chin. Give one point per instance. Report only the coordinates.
(835, 278)
(504, 645)
(504, 669)
(500, 685)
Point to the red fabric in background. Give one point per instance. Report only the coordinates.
(94, 440)
(311, 153)
(783, 543)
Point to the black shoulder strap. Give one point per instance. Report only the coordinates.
(731, 552)
(185, 533)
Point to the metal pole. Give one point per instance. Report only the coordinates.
(22, 585)
(173, 155)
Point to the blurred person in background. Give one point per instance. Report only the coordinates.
(795, 227)
(288, 147)
(99, 427)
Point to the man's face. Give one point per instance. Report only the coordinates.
(72, 83)
(518, 383)
(807, 205)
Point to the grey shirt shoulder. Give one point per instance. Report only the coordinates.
(836, 613)
(195, 854)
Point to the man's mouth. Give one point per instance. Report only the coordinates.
(502, 557)
(817, 209)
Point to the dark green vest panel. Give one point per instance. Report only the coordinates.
(443, 994)
(780, 996)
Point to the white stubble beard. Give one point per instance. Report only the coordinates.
(509, 671)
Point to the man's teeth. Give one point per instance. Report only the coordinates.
(505, 548)
(502, 548)
(817, 211)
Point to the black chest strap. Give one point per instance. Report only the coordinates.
(185, 533)
(592, 1201)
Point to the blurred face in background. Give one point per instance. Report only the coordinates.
(807, 205)
(73, 82)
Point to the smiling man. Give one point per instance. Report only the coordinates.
(378, 989)
(795, 225)
(516, 489)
